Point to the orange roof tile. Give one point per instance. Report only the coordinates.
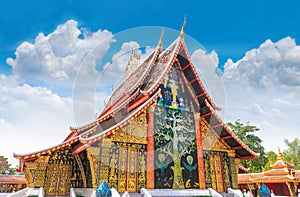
(12, 179)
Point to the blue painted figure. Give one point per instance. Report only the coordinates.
(264, 191)
(103, 190)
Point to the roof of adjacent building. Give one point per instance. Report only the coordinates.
(11, 179)
(281, 171)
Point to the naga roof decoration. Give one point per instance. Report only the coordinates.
(138, 92)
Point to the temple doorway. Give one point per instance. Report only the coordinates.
(217, 173)
(128, 172)
(58, 180)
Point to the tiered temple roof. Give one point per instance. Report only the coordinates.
(281, 172)
(138, 92)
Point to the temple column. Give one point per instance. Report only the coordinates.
(92, 155)
(201, 170)
(150, 148)
(234, 166)
(291, 188)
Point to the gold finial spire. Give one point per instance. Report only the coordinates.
(161, 37)
(280, 156)
(183, 26)
(133, 63)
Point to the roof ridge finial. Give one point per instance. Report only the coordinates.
(160, 39)
(182, 27)
(280, 156)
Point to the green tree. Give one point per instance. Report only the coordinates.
(4, 166)
(292, 154)
(245, 132)
(272, 157)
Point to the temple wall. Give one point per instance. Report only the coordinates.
(221, 166)
(58, 172)
(120, 160)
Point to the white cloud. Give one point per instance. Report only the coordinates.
(262, 110)
(31, 118)
(206, 66)
(116, 68)
(278, 101)
(36, 105)
(54, 60)
(271, 135)
(272, 64)
(263, 87)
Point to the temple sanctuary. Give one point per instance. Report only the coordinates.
(159, 130)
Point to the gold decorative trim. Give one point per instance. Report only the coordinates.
(197, 115)
(182, 28)
(90, 152)
(81, 170)
(29, 171)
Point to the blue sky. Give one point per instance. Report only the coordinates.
(229, 27)
(255, 43)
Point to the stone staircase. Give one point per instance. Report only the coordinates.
(132, 194)
(224, 194)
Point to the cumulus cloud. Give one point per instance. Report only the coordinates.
(272, 64)
(263, 87)
(206, 66)
(54, 60)
(31, 117)
(36, 105)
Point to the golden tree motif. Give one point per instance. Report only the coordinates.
(175, 137)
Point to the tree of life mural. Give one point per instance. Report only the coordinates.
(175, 148)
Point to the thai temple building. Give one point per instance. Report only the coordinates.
(159, 130)
(282, 179)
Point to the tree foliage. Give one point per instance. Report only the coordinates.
(292, 154)
(4, 165)
(245, 132)
(272, 157)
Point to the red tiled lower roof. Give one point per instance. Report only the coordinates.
(12, 179)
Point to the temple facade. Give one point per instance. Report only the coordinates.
(159, 130)
(282, 179)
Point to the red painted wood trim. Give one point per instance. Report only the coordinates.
(71, 135)
(150, 150)
(217, 125)
(199, 95)
(226, 137)
(201, 169)
(79, 148)
(236, 147)
(193, 81)
(138, 102)
(114, 105)
(205, 115)
(185, 67)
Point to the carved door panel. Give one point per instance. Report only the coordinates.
(217, 173)
(128, 169)
(57, 180)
